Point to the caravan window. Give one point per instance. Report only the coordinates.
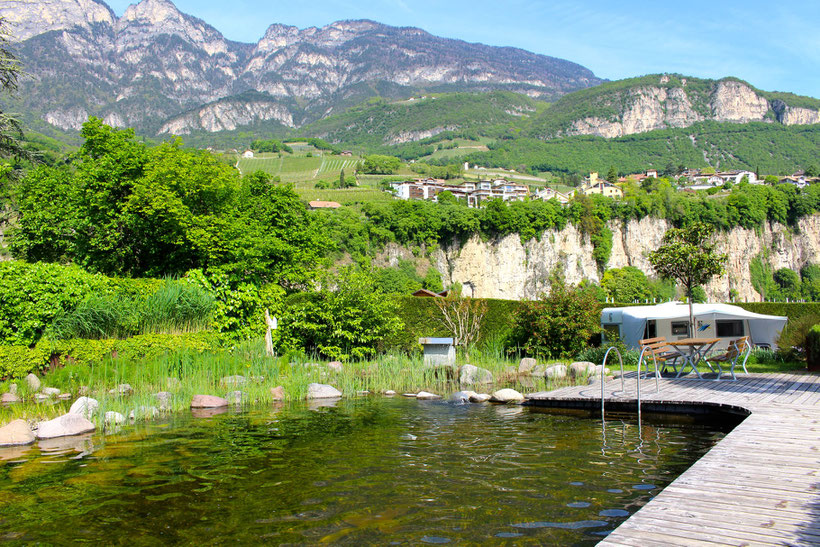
(729, 328)
(680, 328)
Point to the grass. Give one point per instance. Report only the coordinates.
(298, 168)
(345, 196)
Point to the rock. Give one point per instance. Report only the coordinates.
(555, 372)
(114, 418)
(335, 366)
(600, 369)
(17, 433)
(426, 395)
(362, 393)
(462, 396)
(8, 398)
(64, 396)
(322, 391)
(164, 399)
(471, 375)
(83, 391)
(40, 397)
(33, 382)
(277, 393)
(145, 412)
(208, 401)
(389, 393)
(526, 365)
(13, 388)
(236, 397)
(64, 426)
(507, 396)
(85, 407)
(231, 381)
(479, 398)
(411, 395)
(122, 389)
(50, 391)
(581, 368)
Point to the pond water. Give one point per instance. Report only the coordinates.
(366, 471)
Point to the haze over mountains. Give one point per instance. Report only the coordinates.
(164, 72)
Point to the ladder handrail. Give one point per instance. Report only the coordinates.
(603, 370)
(657, 375)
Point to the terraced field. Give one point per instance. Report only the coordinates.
(297, 168)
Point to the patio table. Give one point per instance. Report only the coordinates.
(693, 351)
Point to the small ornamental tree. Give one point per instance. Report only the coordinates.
(558, 325)
(688, 255)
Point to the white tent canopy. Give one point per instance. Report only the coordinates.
(763, 329)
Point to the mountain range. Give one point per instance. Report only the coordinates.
(162, 71)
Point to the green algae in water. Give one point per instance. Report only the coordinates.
(367, 471)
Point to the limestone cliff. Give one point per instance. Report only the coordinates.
(506, 268)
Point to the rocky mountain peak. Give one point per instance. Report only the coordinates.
(154, 12)
(29, 18)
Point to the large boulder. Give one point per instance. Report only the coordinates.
(8, 398)
(555, 372)
(277, 393)
(114, 419)
(335, 366)
(507, 395)
(164, 400)
(33, 382)
(480, 398)
(64, 426)
(17, 433)
(208, 401)
(85, 407)
(526, 365)
(581, 368)
(472, 375)
(322, 391)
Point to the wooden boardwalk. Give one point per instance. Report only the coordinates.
(760, 485)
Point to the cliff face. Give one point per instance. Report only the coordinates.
(505, 268)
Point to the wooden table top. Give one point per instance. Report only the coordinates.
(693, 341)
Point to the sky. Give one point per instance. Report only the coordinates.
(775, 46)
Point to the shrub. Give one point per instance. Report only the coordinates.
(558, 325)
(177, 307)
(813, 348)
(793, 340)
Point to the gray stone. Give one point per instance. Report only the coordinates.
(277, 393)
(85, 407)
(526, 365)
(471, 375)
(40, 397)
(144, 412)
(599, 369)
(164, 399)
(13, 388)
(236, 397)
(362, 393)
(114, 418)
(50, 391)
(507, 395)
(8, 398)
(17, 433)
(462, 396)
(231, 381)
(581, 368)
(427, 395)
(122, 389)
(335, 366)
(555, 372)
(411, 395)
(389, 393)
(208, 401)
(64, 426)
(64, 396)
(322, 391)
(480, 398)
(33, 382)
(83, 391)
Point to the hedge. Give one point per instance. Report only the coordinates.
(17, 361)
(813, 348)
(792, 310)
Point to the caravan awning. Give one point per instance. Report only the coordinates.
(764, 329)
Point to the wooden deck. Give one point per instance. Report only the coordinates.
(760, 485)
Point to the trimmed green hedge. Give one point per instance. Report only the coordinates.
(17, 361)
(792, 310)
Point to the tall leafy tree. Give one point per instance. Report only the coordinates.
(689, 256)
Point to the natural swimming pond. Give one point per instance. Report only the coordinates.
(366, 471)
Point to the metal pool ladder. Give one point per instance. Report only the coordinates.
(638, 377)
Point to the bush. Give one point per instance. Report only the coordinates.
(794, 338)
(596, 355)
(558, 325)
(813, 348)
